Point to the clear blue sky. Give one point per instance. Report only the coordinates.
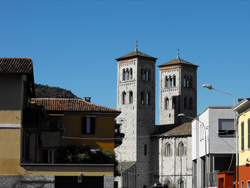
(73, 44)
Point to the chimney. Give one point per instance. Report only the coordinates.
(88, 99)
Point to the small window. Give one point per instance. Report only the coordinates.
(127, 74)
(174, 80)
(167, 149)
(166, 81)
(142, 98)
(88, 125)
(123, 74)
(166, 103)
(147, 98)
(181, 184)
(185, 103)
(185, 82)
(123, 97)
(248, 134)
(174, 103)
(131, 74)
(190, 103)
(145, 149)
(181, 149)
(242, 184)
(242, 137)
(130, 97)
(226, 127)
(171, 81)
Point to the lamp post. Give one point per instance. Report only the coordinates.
(236, 129)
(184, 115)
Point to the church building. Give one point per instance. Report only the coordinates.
(152, 154)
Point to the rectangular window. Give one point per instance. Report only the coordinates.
(88, 125)
(242, 184)
(248, 133)
(145, 149)
(226, 127)
(242, 136)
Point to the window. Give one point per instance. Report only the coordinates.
(174, 78)
(130, 97)
(181, 149)
(127, 74)
(166, 103)
(123, 74)
(242, 184)
(167, 149)
(181, 184)
(190, 103)
(171, 81)
(166, 81)
(242, 137)
(167, 184)
(145, 149)
(248, 134)
(187, 85)
(124, 97)
(147, 98)
(190, 82)
(88, 125)
(185, 81)
(131, 73)
(142, 98)
(226, 127)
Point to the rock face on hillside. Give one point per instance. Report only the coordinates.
(45, 91)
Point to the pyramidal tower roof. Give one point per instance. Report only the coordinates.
(135, 54)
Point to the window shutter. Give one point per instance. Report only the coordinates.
(92, 125)
(83, 125)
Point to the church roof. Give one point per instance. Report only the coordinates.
(177, 61)
(184, 129)
(9, 65)
(135, 54)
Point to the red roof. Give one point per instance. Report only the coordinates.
(16, 65)
(70, 105)
(135, 54)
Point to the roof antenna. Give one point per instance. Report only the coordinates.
(178, 53)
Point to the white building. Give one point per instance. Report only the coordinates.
(213, 145)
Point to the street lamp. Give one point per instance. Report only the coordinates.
(236, 128)
(184, 115)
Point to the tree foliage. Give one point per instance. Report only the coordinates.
(45, 91)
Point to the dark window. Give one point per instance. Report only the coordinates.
(174, 80)
(181, 149)
(173, 103)
(190, 103)
(131, 73)
(166, 103)
(123, 97)
(145, 149)
(168, 149)
(226, 127)
(147, 98)
(166, 81)
(142, 98)
(242, 136)
(185, 103)
(130, 97)
(88, 125)
(248, 133)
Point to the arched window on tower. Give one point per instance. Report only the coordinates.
(142, 98)
(185, 103)
(146, 75)
(149, 74)
(166, 103)
(131, 74)
(185, 82)
(180, 149)
(123, 74)
(130, 97)
(181, 183)
(123, 97)
(191, 82)
(188, 85)
(171, 81)
(174, 80)
(127, 74)
(190, 103)
(167, 149)
(166, 81)
(147, 98)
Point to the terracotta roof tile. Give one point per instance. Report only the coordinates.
(177, 61)
(16, 65)
(181, 130)
(134, 54)
(70, 105)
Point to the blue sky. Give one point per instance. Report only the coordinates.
(74, 44)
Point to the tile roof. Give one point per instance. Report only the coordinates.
(177, 61)
(134, 54)
(16, 65)
(181, 130)
(71, 105)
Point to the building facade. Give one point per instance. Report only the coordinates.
(242, 168)
(213, 145)
(35, 133)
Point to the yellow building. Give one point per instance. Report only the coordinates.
(243, 169)
(34, 133)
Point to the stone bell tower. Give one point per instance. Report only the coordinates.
(177, 91)
(136, 101)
